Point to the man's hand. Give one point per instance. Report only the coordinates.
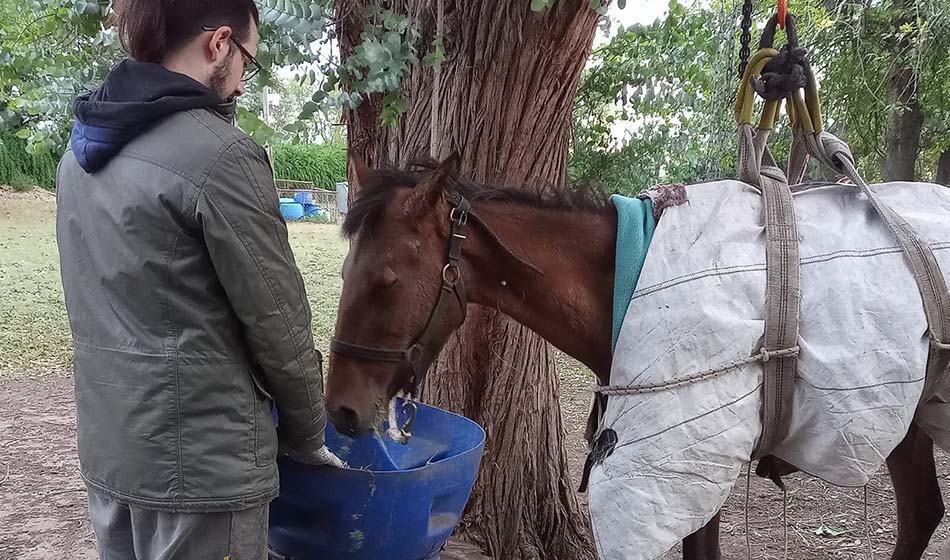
(321, 456)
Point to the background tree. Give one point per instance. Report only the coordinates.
(502, 98)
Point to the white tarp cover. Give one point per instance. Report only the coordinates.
(699, 304)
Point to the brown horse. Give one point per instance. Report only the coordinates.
(426, 243)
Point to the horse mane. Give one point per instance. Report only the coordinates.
(383, 184)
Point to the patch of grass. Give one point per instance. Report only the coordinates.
(34, 328)
(21, 182)
(318, 218)
(320, 250)
(34, 331)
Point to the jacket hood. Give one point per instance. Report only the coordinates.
(134, 96)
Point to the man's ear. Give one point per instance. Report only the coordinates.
(219, 44)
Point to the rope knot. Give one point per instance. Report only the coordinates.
(783, 75)
(766, 356)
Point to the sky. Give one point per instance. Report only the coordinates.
(637, 11)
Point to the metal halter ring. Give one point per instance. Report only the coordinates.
(451, 274)
(414, 353)
(411, 408)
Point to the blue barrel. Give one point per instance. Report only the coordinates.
(394, 502)
(291, 210)
(303, 197)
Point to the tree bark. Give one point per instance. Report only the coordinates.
(943, 168)
(906, 118)
(505, 98)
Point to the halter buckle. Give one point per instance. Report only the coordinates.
(459, 219)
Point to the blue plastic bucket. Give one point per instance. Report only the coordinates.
(395, 502)
(291, 210)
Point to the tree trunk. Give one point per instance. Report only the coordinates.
(505, 97)
(943, 168)
(906, 117)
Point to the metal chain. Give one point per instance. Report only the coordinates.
(744, 50)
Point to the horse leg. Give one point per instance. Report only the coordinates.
(712, 538)
(919, 501)
(704, 543)
(693, 548)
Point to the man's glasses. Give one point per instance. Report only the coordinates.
(251, 66)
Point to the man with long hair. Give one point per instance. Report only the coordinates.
(188, 312)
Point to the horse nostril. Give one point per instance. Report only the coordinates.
(346, 421)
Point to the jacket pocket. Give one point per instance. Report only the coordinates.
(265, 431)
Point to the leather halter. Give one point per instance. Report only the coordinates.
(420, 354)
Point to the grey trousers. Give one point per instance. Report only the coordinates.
(131, 533)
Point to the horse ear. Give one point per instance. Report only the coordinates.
(451, 165)
(432, 188)
(362, 172)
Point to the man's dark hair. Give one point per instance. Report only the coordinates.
(150, 30)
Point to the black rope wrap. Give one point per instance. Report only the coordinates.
(786, 73)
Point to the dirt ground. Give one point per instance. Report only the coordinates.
(42, 502)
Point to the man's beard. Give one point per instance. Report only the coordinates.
(220, 77)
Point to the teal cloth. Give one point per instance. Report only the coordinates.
(635, 227)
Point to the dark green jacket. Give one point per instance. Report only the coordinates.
(188, 315)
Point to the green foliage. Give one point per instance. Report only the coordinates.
(305, 20)
(659, 81)
(53, 50)
(18, 168)
(50, 51)
(256, 128)
(671, 84)
(300, 116)
(379, 63)
(853, 49)
(436, 55)
(324, 164)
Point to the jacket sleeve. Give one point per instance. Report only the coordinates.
(238, 210)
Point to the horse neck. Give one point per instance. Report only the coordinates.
(571, 304)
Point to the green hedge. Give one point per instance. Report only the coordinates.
(17, 167)
(324, 164)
